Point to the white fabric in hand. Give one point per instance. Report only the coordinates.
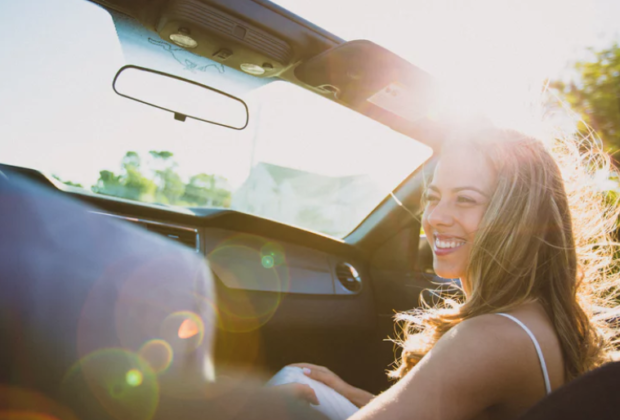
(332, 404)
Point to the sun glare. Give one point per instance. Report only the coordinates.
(489, 56)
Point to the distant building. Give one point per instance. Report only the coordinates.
(322, 203)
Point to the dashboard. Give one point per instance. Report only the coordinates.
(251, 262)
(272, 289)
(283, 294)
(312, 277)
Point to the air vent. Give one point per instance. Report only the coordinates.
(348, 277)
(185, 236)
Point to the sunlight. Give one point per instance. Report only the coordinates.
(489, 56)
(327, 138)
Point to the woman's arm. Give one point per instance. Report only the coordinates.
(473, 367)
(359, 397)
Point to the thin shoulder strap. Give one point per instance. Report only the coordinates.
(541, 358)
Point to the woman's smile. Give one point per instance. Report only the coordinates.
(445, 244)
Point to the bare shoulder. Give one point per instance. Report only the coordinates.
(488, 334)
(489, 349)
(476, 365)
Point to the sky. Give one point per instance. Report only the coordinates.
(490, 55)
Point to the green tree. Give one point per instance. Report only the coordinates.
(170, 186)
(131, 183)
(69, 183)
(595, 94)
(158, 181)
(207, 190)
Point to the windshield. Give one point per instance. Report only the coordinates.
(302, 160)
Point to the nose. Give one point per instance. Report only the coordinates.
(440, 215)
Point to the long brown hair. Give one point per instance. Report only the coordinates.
(546, 237)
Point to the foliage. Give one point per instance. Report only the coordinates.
(71, 184)
(203, 190)
(157, 180)
(130, 184)
(595, 95)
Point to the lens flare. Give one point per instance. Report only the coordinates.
(183, 330)
(267, 261)
(158, 354)
(24, 415)
(188, 329)
(24, 404)
(134, 377)
(120, 380)
(131, 300)
(247, 263)
(275, 252)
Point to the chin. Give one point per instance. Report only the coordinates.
(447, 276)
(448, 272)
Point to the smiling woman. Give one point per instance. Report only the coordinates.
(527, 232)
(512, 216)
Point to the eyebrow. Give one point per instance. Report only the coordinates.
(434, 188)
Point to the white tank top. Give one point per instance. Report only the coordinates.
(541, 358)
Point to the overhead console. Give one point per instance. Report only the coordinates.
(257, 36)
(213, 33)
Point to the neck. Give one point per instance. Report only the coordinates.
(464, 287)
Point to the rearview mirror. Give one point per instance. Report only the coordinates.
(184, 98)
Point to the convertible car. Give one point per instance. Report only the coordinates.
(196, 193)
(290, 160)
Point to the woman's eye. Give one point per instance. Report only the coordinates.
(465, 200)
(430, 197)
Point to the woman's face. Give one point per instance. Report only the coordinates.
(455, 203)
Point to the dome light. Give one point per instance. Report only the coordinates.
(182, 39)
(252, 69)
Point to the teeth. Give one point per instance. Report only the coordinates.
(448, 244)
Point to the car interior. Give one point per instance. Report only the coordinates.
(286, 292)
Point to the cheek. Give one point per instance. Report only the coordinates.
(428, 228)
(471, 222)
(425, 225)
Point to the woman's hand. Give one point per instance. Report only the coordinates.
(299, 391)
(357, 396)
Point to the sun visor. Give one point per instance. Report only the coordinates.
(145, 48)
(363, 75)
